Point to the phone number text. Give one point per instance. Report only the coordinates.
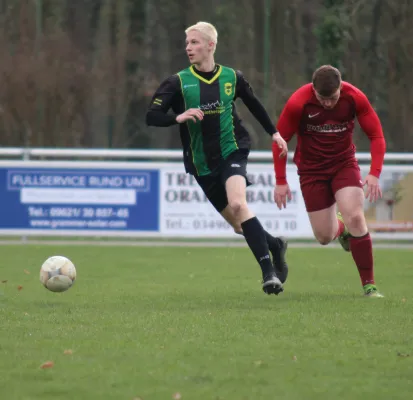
(78, 212)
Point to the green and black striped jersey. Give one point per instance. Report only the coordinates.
(208, 142)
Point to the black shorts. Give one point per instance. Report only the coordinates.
(213, 185)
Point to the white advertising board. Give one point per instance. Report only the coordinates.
(186, 212)
(153, 199)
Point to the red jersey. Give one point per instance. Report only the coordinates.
(325, 136)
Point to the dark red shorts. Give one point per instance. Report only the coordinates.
(319, 189)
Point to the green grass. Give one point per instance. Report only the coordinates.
(151, 322)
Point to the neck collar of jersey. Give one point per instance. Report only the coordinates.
(218, 70)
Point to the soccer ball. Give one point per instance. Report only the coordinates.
(57, 274)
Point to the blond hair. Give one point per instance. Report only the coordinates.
(207, 30)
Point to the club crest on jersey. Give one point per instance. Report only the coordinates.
(228, 88)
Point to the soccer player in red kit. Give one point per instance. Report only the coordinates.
(322, 114)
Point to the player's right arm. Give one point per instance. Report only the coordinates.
(287, 126)
(166, 96)
(370, 123)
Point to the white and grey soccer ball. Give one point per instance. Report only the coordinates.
(57, 274)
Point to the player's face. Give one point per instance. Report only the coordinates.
(328, 102)
(197, 47)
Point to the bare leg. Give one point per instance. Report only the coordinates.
(350, 202)
(324, 223)
(252, 230)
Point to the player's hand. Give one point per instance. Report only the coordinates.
(192, 114)
(282, 193)
(373, 191)
(282, 144)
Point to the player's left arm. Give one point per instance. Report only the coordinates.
(245, 92)
(370, 124)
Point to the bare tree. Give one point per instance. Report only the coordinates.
(81, 72)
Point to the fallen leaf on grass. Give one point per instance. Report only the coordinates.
(47, 364)
(19, 287)
(294, 358)
(68, 351)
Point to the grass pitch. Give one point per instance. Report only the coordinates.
(193, 323)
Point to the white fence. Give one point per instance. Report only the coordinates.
(145, 193)
(139, 154)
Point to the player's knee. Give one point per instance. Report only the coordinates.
(323, 239)
(356, 221)
(238, 206)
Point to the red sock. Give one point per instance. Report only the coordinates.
(362, 252)
(340, 229)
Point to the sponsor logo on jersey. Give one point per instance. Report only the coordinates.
(328, 128)
(216, 107)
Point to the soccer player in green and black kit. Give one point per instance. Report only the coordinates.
(216, 144)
